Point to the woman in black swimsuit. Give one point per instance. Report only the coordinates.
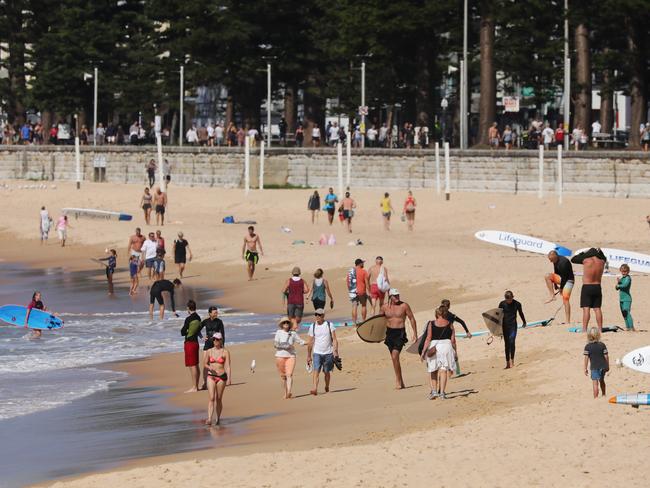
(145, 203)
(440, 353)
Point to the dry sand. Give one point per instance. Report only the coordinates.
(536, 424)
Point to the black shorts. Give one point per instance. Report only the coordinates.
(347, 215)
(318, 303)
(146, 206)
(395, 339)
(252, 257)
(160, 209)
(591, 296)
(331, 210)
(109, 272)
(362, 299)
(156, 297)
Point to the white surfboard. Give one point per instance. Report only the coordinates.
(638, 360)
(521, 242)
(93, 213)
(615, 257)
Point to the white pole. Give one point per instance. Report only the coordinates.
(540, 191)
(339, 159)
(437, 148)
(77, 157)
(462, 104)
(247, 164)
(363, 103)
(95, 109)
(567, 77)
(560, 183)
(268, 103)
(447, 185)
(180, 115)
(161, 173)
(261, 182)
(464, 87)
(348, 156)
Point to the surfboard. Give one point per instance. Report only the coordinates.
(634, 399)
(373, 329)
(521, 242)
(615, 257)
(530, 325)
(92, 213)
(607, 328)
(494, 321)
(38, 319)
(638, 360)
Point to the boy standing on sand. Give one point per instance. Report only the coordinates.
(596, 360)
(624, 283)
(249, 251)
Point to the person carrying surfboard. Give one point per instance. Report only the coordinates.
(511, 308)
(561, 279)
(591, 295)
(37, 303)
(396, 312)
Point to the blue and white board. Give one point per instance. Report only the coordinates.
(608, 328)
(638, 360)
(92, 213)
(521, 242)
(530, 325)
(634, 399)
(615, 257)
(38, 319)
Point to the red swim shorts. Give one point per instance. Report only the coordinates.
(375, 292)
(191, 353)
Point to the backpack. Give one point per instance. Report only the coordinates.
(423, 338)
(229, 220)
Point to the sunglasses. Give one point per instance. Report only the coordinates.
(319, 314)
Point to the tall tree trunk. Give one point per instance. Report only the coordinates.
(16, 65)
(46, 123)
(582, 107)
(637, 88)
(422, 87)
(314, 109)
(488, 101)
(607, 103)
(290, 111)
(230, 111)
(172, 131)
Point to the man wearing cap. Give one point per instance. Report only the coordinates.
(322, 348)
(295, 289)
(358, 286)
(379, 283)
(213, 325)
(396, 312)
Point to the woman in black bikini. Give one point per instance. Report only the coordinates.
(217, 362)
(145, 203)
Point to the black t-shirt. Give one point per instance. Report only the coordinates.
(161, 285)
(510, 311)
(596, 352)
(186, 325)
(211, 328)
(564, 269)
(180, 249)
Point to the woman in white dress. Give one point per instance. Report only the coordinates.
(439, 352)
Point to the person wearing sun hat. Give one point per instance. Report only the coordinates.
(285, 353)
(396, 312)
(295, 289)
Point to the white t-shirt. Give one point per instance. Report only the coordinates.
(371, 134)
(253, 133)
(218, 130)
(334, 133)
(192, 136)
(322, 337)
(548, 135)
(595, 127)
(210, 131)
(284, 343)
(149, 249)
(45, 220)
(315, 133)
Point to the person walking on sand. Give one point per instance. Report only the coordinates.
(111, 263)
(386, 210)
(156, 294)
(149, 252)
(439, 352)
(511, 308)
(151, 172)
(145, 204)
(62, 229)
(160, 243)
(313, 205)
(134, 247)
(160, 200)
(322, 349)
(623, 285)
(295, 289)
(44, 223)
(379, 283)
(396, 312)
(561, 279)
(182, 253)
(217, 363)
(191, 331)
(285, 353)
(249, 251)
(409, 210)
(446, 304)
(330, 204)
(596, 360)
(348, 205)
(591, 295)
(320, 290)
(358, 286)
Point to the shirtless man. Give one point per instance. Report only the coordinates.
(591, 295)
(160, 204)
(561, 279)
(376, 294)
(249, 251)
(348, 205)
(135, 246)
(396, 312)
(493, 136)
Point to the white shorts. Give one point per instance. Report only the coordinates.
(63, 234)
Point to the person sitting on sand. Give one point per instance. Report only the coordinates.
(562, 279)
(295, 289)
(191, 331)
(285, 353)
(155, 294)
(511, 308)
(217, 362)
(396, 312)
(440, 353)
(320, 290)
(596, 360)
(249, 251)
(322, 348)
(591, 295)
(623, 285)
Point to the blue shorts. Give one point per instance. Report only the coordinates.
(324, 362)
(149, 262)
(597, 374)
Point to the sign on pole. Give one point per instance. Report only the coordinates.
(510, 104)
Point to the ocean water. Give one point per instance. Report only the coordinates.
(62, 366)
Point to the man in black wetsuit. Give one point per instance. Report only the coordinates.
(155, 294)
(510, 308)
(212, 324)
(562, 278)
(446, 304)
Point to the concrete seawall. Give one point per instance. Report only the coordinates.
(605, 173)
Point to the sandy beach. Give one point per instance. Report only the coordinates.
(533, 425)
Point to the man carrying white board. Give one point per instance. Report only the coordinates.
(591, 295)
(561, 279)
(396, 312)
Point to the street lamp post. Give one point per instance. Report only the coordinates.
(180, 115)
(567, 77)
(444, 104)
(464, 83)
(96, 74)
(363, 104)
(268, 104)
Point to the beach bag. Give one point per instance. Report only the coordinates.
(323, 240)
(228, 220)
(352, 283)
(332, 240)
(382, 282)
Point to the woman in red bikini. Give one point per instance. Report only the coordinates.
(217, 362)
